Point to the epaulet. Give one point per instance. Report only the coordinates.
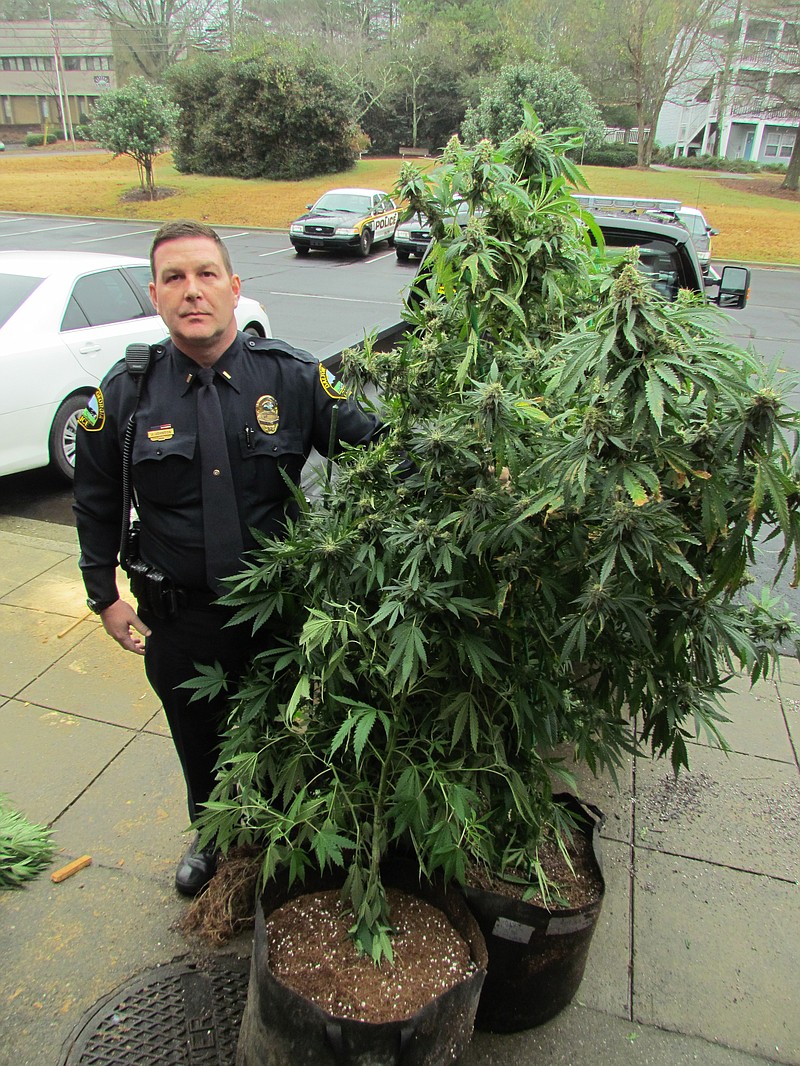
(275, 347)
(157, 351)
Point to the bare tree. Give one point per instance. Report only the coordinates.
(327, 20)
(154, 33)
(659, 40)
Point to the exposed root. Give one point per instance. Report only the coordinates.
(227, 905)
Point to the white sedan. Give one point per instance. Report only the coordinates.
(65, 319)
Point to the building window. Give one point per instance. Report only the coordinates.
(705, 94)
(26, 63)
(778, 144)
(784, 88)
(72, 62)
(728, 31)
(762, 30)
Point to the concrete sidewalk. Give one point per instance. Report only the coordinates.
(696, 958)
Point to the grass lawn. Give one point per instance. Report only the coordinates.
(757, 221)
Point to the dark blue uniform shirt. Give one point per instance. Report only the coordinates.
(277, 403)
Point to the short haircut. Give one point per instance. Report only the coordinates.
(186, 227)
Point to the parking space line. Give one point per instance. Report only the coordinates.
(335, 299)
(280, 251)
(48, 229)
(10, 221)
(230, 236)
(117, 236)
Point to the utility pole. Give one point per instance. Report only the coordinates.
(57, 61)
(63, 98)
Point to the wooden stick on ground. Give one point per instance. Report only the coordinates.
(71, 868)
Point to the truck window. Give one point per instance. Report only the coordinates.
(659, 260)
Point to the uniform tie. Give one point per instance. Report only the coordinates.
(221, 529)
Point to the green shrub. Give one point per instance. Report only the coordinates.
(555, 94)
(34, 140)
(611, 155)
(663, 154)
(774, 168)
(713, 162)
(283, 116)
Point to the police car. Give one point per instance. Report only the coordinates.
(414, 234)
(346, 218)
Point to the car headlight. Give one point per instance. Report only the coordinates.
(346, 230)
(296, 227)
(404, 232)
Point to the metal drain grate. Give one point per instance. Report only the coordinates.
(181, 1014)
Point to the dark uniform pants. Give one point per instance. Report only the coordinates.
(174, 650)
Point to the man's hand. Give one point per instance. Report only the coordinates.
(122, 623)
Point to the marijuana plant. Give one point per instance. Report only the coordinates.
(25, 849)
(550, 538)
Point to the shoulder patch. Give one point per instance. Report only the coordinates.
(93, 416)
(331, 383)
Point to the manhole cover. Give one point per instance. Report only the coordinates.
(182, 1014)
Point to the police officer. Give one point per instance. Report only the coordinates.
(221, 415)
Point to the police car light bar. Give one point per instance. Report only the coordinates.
(626, 203)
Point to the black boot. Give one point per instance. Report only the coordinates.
(196, 868)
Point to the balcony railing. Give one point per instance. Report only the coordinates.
(622, 136)
(763, 111)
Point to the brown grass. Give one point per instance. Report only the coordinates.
(758, 221)
(93, 184)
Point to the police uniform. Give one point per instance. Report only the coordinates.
(278, 404)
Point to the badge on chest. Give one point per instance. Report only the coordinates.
(267, 414)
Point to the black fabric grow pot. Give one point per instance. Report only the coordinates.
(536, 956)
(282, 1028)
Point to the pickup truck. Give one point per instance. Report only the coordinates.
(666, 250)
(666, 255)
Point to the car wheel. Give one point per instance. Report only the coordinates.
(301, 249)
(402, 254)
(63, 435)
(365, 243)
(253, 330)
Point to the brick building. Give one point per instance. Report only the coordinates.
(50, 71)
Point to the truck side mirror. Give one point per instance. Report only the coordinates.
(734, 287)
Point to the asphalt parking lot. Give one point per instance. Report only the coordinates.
(324, 301)
(320, 302)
